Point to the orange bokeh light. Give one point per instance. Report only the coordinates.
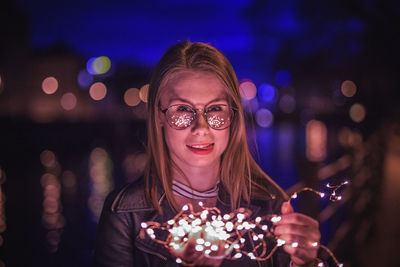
(144, 92)
(316, 140)
(50, 85)
(98, 91)
(357, 112)
(131, 97)
(348, 88)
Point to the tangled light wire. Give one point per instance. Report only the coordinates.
(232, 232)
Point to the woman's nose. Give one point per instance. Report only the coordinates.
(200, 124)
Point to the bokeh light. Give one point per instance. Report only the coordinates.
(348, 88)
(68, 101)
(98, 91)
(251, 106)
(47, 179)
(98, 65)
(131, 97)
(48, 158)
(264, 118)
(84, 78)
(248, 90)
(357, 112)
(287, 103)
(316, 140)
(52, 217)
(100, 169)
(283, 77)
(266, 92)
(50, 85)
(144, 92)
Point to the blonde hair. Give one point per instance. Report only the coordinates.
(240, 175)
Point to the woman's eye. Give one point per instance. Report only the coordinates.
(215, 108)
(183, 108)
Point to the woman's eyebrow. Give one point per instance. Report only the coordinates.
(179, 99)
(221, 99)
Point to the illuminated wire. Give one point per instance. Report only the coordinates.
(209, 228)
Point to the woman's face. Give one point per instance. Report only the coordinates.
(199, 145)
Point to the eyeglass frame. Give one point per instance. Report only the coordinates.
(195, 111)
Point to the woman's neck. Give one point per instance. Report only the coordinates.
(200, 179)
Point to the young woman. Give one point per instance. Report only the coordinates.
(197, 150)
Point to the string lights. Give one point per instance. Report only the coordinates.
(228, 236)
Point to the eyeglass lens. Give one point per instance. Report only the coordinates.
(181, 116)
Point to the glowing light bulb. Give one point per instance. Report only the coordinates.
(280, 242)
(200, 241)
(214, 247)
(150, 231)
(238, 255)
(276, 219)
(240, 216)
(199, 247)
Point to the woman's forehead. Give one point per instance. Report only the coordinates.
(198, 87)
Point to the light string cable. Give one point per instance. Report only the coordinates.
(232, 232)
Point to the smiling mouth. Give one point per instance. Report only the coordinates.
(202, 149)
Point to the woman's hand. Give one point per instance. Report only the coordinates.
(191, 257)
(300, 233)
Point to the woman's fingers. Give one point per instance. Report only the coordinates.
(301, 231)
(300, 234)
(297, 218)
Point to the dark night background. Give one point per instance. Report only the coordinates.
(326, 74)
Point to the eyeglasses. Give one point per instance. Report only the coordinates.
(181, 116)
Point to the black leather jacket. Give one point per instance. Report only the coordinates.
(118, 242)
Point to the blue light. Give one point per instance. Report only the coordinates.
(84, 78)
(264, 118)
(283, 78)
(266, 93)
(89, 65)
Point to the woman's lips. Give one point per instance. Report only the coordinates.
(201, 149)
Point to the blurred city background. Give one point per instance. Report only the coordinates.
(320, 86)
